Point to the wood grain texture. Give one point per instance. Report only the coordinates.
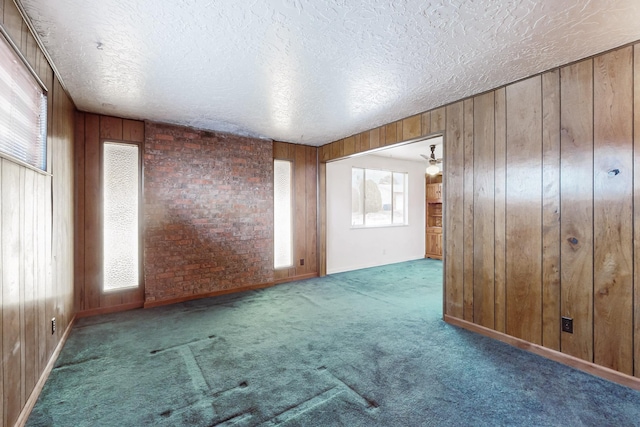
(391, 136)
(42, 65)
(132, 130)
(24, 245)
(454, 211)
(92, 213)
(438, 119)
(483, 210)
(322, 223)
(399, 131)
(110, 128)
(305, 241)
(613, 210)
(336, 152)
(90, 130)
(425, 118)
(13, 23)
(50, 287)
(349, 146)
(36, 265)
(43, 279)
(523, 210)
(551, 210)
(31, 49)
(11, 282)
(63, 210)
(543, 161)
(574, 362)
(374, 138)
(500, 243)
(299, 209)
(358, 143)
(636, 204)
(411, 127)
(46, 370)
(311, 219)
(325, 153)
(79, 211)
(28, 286)
(576, 198)
(364, 142)
(467, 206)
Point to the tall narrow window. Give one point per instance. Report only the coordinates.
(121, 187)
(282, 224)
(23, 111)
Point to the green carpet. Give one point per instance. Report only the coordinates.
(363, 348)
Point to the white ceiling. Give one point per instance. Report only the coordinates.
(311, 71)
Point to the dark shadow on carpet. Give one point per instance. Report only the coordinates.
(363, 348)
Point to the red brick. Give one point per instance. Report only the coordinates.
(208, 211)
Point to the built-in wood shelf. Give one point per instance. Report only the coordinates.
(433, 238)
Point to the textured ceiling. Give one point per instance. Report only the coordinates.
(311, 71)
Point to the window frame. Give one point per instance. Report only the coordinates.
(405, 215)
(140, 286)
(291, 211)
(45, 93)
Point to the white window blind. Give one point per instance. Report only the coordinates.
(23, 111)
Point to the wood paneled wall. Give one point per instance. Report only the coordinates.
(90, 131)
(562, 143)
(305, 190)
(36, 231)
(542, 180)
(407, 129)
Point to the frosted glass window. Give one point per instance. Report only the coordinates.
(121, 179)
(282, 224)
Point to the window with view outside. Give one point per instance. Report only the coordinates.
(378, 197)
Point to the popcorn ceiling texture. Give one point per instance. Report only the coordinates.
(208, 212)
(311, 71)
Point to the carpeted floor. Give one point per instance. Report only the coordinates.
(363, 348)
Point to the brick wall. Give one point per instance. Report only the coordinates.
(208, 212)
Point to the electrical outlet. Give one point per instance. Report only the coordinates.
(53, 325)
(567, 325)
(301, 261)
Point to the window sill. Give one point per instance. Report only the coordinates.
(368, 227)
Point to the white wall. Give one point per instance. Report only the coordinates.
(353, 248)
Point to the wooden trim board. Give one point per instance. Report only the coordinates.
(294, 278)
(565, 359)
(33, 397)
(107, 310)
(151, 304)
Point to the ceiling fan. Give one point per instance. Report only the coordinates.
(433, 167)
